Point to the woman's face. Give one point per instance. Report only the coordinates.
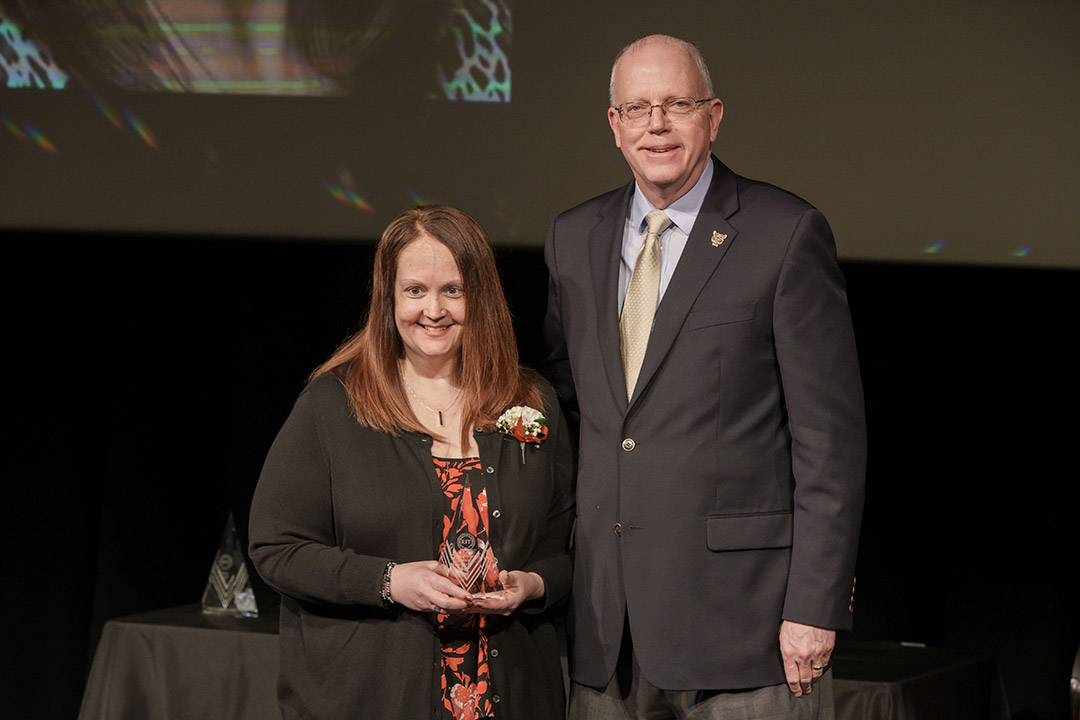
(429, 301)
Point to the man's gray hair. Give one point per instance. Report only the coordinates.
(690, 48)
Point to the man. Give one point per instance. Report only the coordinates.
(722, 442)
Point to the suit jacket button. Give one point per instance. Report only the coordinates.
(628, 444)
(618, 529)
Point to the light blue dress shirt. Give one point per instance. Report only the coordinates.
(683, 213)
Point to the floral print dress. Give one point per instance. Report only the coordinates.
(466, 679)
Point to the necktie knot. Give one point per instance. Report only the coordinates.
(657, 221)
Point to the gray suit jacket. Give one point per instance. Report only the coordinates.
(727, 494)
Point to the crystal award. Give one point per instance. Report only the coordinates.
(228, 591)
(466, 554)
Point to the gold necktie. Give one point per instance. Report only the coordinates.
(639, 307)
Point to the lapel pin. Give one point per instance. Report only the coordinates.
(718, 238)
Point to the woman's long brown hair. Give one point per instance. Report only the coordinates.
(491, 377)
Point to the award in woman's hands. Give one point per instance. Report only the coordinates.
(466, 554)
(470, 563)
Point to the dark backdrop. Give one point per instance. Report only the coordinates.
(150, 375)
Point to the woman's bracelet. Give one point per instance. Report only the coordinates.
(384, 593)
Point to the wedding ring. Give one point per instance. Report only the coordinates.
(436, 608)
(817, 667)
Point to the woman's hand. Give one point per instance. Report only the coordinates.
(422, 586)
(518, 587)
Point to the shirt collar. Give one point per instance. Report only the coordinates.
(682, 212)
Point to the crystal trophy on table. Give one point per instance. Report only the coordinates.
(228, 590)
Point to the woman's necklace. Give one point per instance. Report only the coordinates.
(417, 399)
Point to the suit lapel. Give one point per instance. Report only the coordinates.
(703, 252)
(605, 246)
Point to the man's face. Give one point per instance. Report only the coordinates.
(666, 154)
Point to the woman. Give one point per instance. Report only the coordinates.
(392, 457)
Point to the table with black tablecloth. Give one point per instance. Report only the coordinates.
(179, 663)
(892, 681)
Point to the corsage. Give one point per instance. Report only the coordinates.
(524, 424)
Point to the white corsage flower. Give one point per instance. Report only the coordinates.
(524, 424)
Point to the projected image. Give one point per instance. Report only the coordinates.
(481, 36)
(455, 50)
(24, 63)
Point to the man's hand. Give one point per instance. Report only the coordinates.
(806, 651)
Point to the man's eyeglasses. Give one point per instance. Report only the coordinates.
(677, 108)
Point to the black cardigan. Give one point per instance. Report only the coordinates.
(336, 501)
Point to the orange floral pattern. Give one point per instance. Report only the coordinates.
(466, 678)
